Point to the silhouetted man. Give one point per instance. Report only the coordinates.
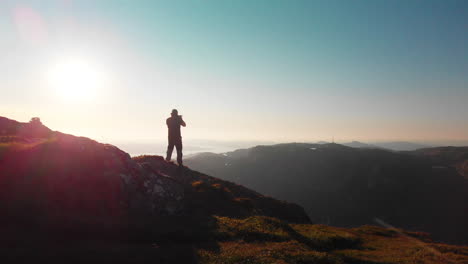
(175, 139)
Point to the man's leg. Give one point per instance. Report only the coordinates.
(170, 148)
(178, 146)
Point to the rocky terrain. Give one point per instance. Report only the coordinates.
(67, 199)
(62, 180)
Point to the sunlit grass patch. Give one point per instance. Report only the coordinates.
(257, 228)
(326, 237)
(444, 248)
(404, 253)
(381, 245)
(268, 252)
(260, 228)
(423, 236)
(375, 230)
(197, 184)
(14, 144)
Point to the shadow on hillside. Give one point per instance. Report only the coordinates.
(162, 240)
(351, 260)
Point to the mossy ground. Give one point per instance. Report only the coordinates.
(268, 240)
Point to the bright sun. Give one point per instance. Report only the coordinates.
(76, 79)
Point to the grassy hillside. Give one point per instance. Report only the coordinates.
(251, 240)
(269, 240)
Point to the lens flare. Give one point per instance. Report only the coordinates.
(76, 79)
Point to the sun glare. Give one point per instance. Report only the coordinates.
(76, 80)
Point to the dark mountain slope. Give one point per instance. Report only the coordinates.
(422, 190)
(447, 157)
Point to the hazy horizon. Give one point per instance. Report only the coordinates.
(158, 146)
(245, 71)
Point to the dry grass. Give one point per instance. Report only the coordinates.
(381, 245)
(266, 252)
(328, 238)
(268, 240)
(252, 229)
(14, 144)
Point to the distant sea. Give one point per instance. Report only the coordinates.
(189, 147)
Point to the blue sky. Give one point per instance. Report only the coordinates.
(243, 70)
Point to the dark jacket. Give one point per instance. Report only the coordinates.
(173, 125)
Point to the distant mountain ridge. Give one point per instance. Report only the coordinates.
(390, 145)
(357, 144)
(401, 145)
(424, 190)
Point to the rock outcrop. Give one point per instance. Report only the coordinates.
(57, 181)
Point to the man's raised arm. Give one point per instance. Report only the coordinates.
(182, 122)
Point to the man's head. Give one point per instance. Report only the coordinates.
(174, 112)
